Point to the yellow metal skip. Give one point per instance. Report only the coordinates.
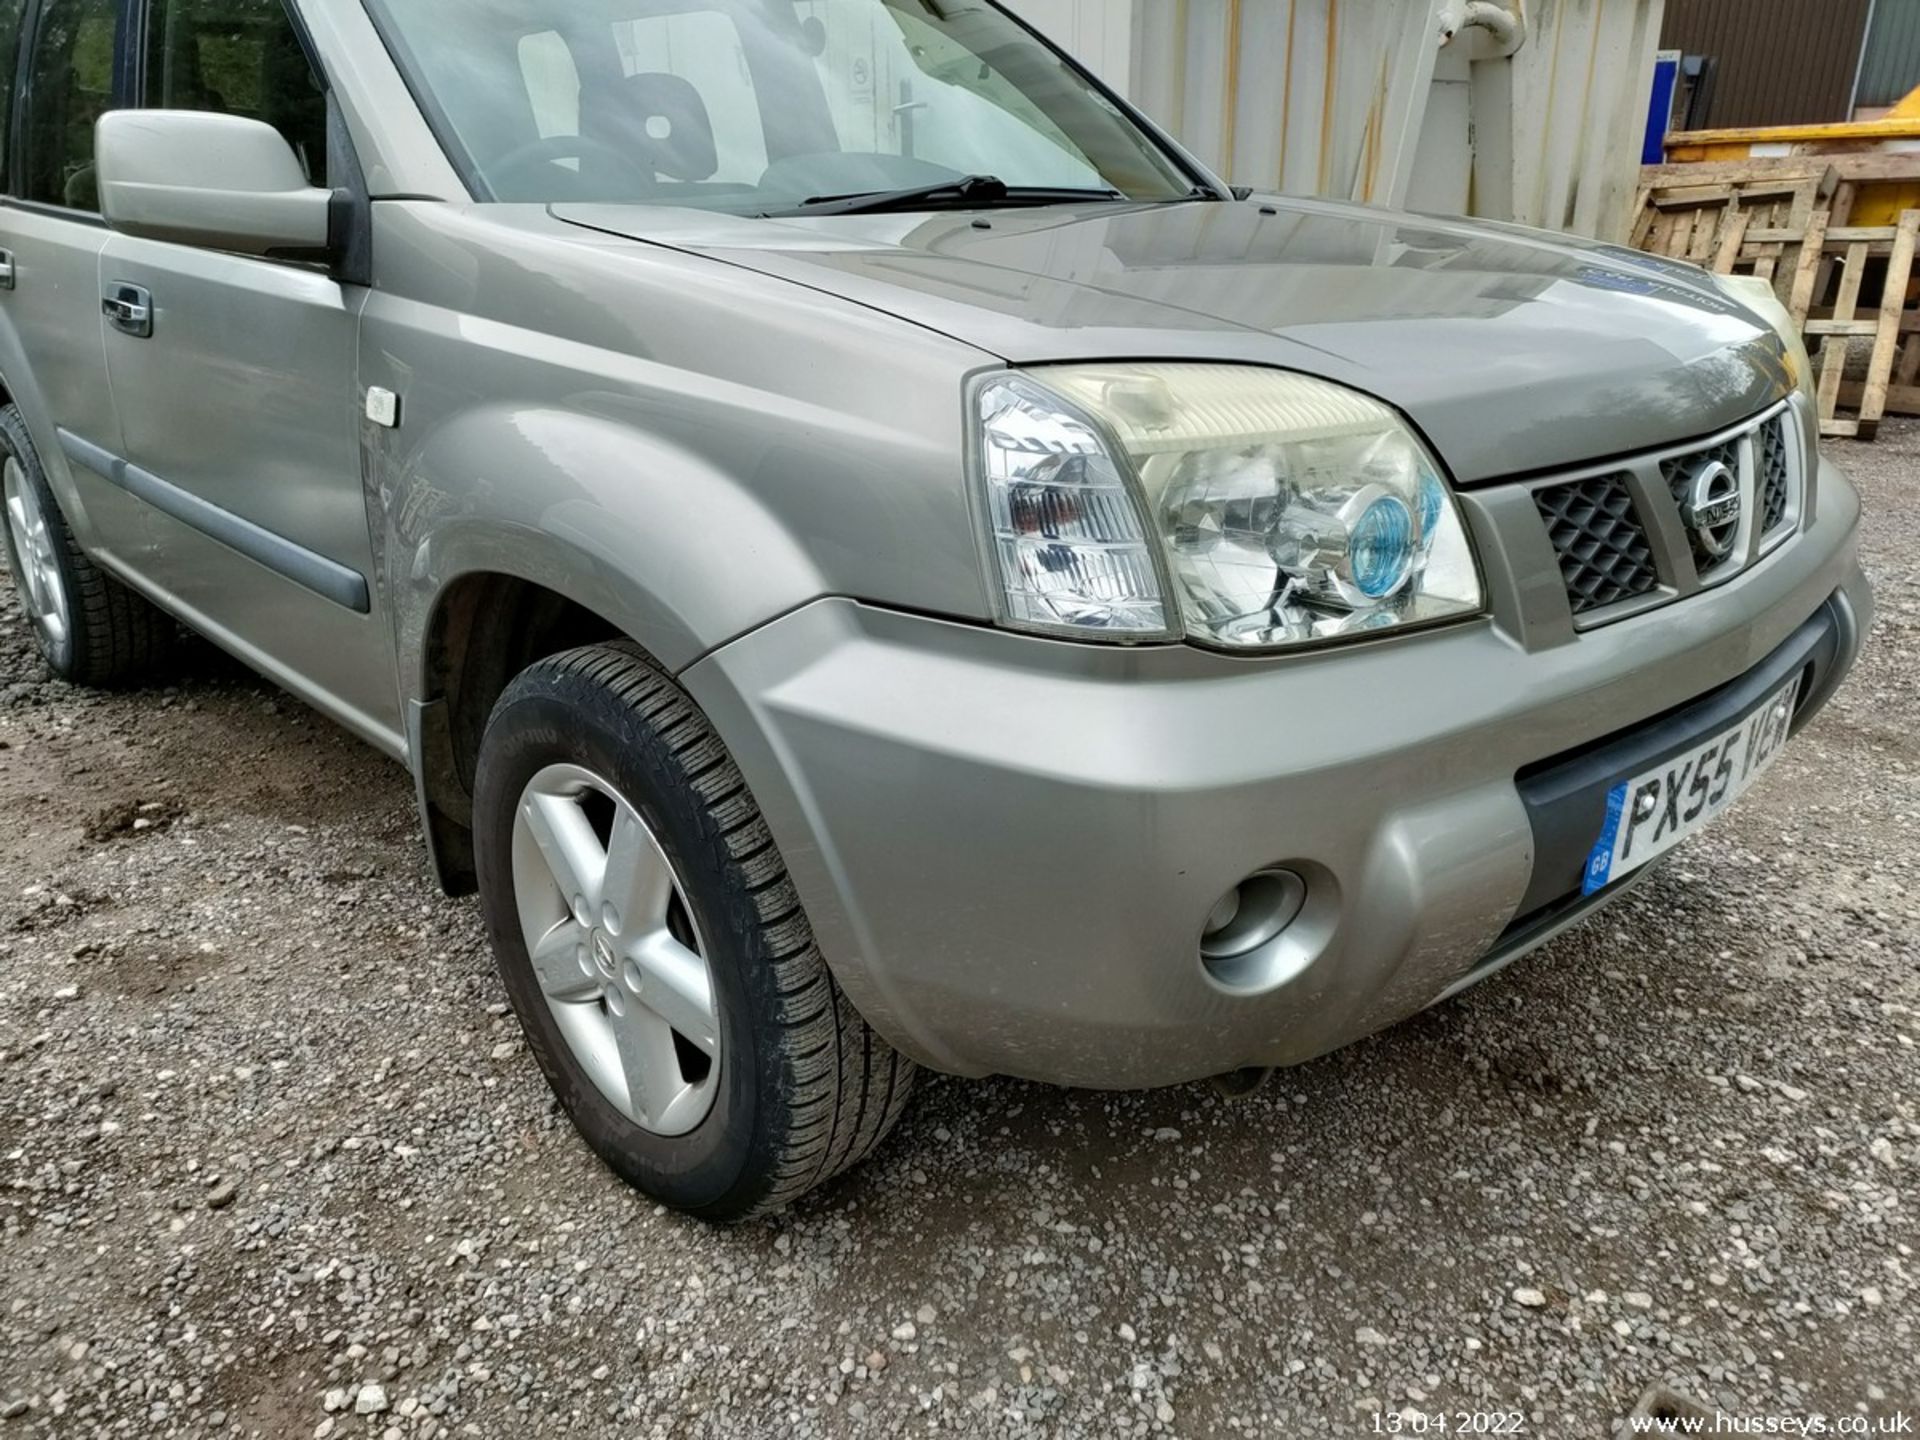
(1876, 202)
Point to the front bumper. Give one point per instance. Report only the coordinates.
(1009, 846)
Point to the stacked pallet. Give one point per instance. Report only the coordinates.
(1849, 287)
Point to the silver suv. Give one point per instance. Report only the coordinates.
(872, 556)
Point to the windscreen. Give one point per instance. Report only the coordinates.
(758, 106)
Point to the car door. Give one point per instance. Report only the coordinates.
(234, 381)
(51, 236)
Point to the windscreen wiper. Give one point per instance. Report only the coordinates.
(971, 192)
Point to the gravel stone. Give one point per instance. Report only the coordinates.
(262, 993)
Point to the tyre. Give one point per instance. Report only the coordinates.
(90, 628)
(656, 952)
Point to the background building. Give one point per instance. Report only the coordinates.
(1792, 62)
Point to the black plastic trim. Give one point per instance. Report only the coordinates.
(305, 568)
(1566, 797)
(1535, 927)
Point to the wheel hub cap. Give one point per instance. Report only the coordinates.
(615, 950)
(31, 541)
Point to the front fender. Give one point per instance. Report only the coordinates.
(672, 551)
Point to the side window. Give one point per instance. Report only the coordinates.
(10, 13)
(238, 57)
(69, 86)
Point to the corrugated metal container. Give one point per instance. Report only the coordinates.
(1890, 69)
(1571, 130)
(1360, 99)
(1781, 62)
(1285, 94)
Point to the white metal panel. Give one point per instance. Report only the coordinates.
(1356, 98)
(1582, 89)
(1290, 95)
(1440, 179)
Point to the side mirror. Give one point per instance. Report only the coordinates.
(220, 182)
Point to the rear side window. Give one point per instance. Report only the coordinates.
(69, 86)
(238, 57)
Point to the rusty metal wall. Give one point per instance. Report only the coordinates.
(1571, 132)
(1336, 97)
(1286, 94)
(1782, 62)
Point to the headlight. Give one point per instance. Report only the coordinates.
(1272, 508)
(1760, 297)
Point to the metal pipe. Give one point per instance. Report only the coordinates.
(1508, 28)
(1239, 1084)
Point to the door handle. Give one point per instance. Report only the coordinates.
(6, 269)
(129, 309)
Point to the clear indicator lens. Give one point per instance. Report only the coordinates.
(1072, 553)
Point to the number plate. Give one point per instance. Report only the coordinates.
(1651, 813)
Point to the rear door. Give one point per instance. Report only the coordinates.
(240, 391)
(51, 233)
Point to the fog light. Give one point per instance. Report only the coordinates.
(1252, 914)
(1225, 912)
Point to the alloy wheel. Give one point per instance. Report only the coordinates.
(42, 591)
(615, 949)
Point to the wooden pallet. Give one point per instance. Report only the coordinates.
(1882, 319)
(1786, 220)
(1746, 228)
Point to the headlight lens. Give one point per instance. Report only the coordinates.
(1760, 297)
(1284, 509)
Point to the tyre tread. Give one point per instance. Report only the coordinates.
(848, 1087)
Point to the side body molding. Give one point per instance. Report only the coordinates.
(325, 578)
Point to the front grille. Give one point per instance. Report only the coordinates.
(1602, 546)
(1776, 471)
(1678, 471)
(1626, 538)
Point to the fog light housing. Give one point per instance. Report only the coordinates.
(1252, 915)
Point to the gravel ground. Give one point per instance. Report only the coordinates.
(274, 1162)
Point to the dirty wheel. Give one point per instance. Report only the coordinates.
(656, 952)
